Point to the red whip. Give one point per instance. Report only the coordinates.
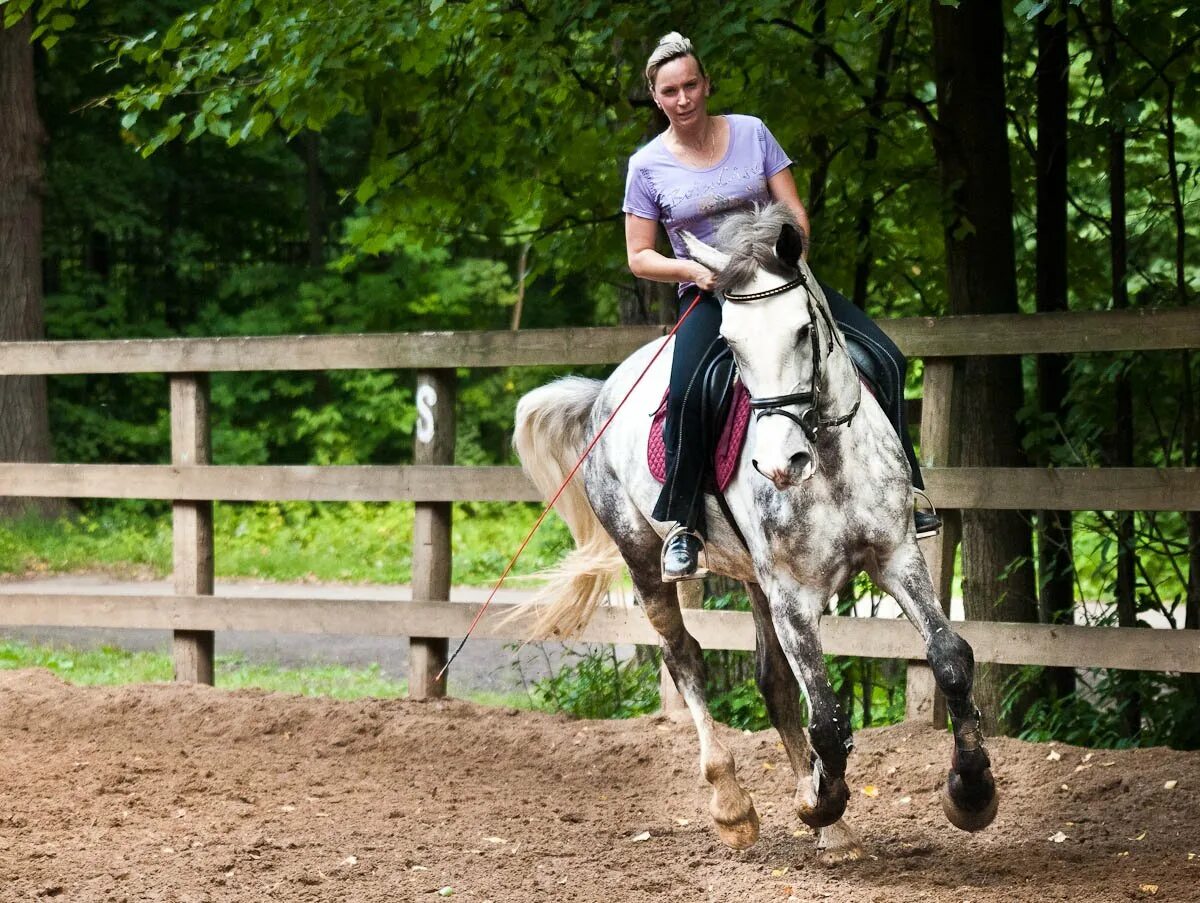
(562, 488)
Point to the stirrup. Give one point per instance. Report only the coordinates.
(699, 572)
(927, 523)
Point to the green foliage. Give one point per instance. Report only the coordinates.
(595, 683)
(1097, 713)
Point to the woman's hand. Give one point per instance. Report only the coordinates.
(704, 278)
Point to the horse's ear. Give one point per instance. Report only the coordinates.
(705, 254)
(790, 246)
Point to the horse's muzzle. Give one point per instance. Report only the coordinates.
(800, 467)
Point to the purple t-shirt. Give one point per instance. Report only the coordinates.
(659, 187)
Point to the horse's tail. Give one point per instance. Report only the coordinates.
(550, 435)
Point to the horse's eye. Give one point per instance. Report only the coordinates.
(803, 333)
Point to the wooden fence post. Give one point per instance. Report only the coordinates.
(192, 523)
(691, 595)
(431, 528)
(938, 449)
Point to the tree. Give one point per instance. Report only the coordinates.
(971, 143)
(1055, 564)
(24, 421)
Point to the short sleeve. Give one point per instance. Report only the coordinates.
(639, 200)
(774, 159)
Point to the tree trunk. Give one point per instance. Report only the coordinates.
(315, 195)
(864, 253)
(819, 142)
(971, 141)
(1055, 564)
(24, 420)
(1122, 437)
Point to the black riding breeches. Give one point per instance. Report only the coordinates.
(681, 499)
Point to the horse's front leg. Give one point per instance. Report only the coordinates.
(731, 808)
(969, 796)
(838, 842)
(795, 615)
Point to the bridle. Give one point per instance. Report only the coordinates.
(809, 419)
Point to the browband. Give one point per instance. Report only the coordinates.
(778, 290)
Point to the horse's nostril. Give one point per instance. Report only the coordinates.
(800, 460)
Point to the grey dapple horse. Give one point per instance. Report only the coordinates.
(822, 492)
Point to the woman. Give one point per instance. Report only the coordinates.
(688, 178)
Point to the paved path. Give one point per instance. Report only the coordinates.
(485, 664)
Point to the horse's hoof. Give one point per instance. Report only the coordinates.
(838, 843)
(739, 835)
(826, 809)
(970, 808)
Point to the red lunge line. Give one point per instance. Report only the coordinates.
(562, 488)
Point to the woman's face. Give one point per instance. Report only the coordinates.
(681, 91)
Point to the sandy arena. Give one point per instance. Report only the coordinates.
(171, 793)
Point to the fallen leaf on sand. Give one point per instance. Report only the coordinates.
(1170, 785)
(779, 873)
(682, 822)
(871, 790)
(767, 766)
(1148, 889)
(349, 860)
(446, 892)
(636, 838)
(495, 840)
(1054, 756)
(1141, 836)
(1057, 837)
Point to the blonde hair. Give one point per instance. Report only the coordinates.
(670, 47)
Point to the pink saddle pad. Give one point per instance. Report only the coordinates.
(729, 445)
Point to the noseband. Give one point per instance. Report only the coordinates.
(809, 418)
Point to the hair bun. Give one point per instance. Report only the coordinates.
(674, 37)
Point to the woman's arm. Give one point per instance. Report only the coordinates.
(646, 263)
(783, 190)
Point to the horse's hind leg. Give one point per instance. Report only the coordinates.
(730, 806)
(969, 797)
(838, 842)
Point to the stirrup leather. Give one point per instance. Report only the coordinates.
(701, 570)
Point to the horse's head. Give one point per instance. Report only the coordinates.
(777, 325)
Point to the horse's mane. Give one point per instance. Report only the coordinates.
(749, 239)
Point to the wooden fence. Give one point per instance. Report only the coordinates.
(192, 483)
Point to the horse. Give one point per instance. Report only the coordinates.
(822, 491)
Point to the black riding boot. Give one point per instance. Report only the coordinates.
(681, 502)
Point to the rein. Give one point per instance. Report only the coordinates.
(809, 418)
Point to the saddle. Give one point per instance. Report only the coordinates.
(726, 413)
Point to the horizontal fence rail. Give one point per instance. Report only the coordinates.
(1002, 643)
(993, 488)
(996, 334)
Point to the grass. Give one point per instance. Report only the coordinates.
(351, 542)
(111, 666)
